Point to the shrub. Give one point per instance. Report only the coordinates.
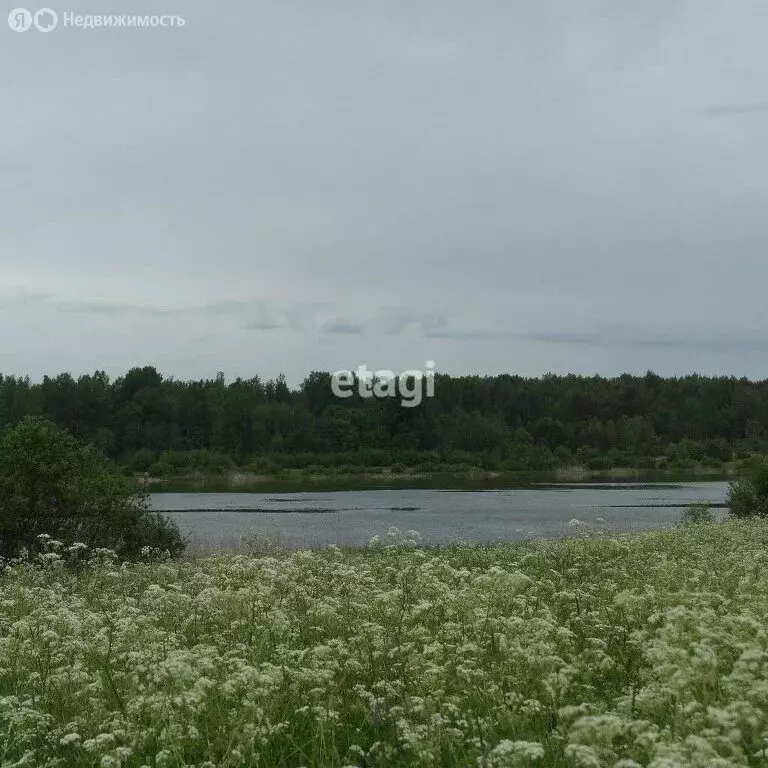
(161, 469)
(141, 460)
(748, 493)
(697, 514)
(599, 462)
(50, 483)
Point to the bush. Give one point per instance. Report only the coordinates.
(264, 465)
(141, 460)
(161, 469)
(50, 483)
(599, 462)
(748, 493)
(697, 514)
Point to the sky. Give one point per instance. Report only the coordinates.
(499, 186)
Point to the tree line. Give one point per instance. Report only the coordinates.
(151, 423)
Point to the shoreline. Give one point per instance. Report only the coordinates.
(379, 479)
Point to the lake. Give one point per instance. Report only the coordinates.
(317, 519)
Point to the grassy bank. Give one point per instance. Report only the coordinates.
(650, 649)
(369, 467)
(383, 477)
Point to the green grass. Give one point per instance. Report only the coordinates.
(649, 649)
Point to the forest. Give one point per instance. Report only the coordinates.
(159, 425)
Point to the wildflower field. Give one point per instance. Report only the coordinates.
(637, 650)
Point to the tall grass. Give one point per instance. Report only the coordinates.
(619, 650)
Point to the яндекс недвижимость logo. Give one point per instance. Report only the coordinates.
(46, 20)
(43, 20)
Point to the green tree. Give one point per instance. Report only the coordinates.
(51, 483)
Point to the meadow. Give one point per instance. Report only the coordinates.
(599, 650)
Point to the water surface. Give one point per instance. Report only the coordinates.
(316, 519)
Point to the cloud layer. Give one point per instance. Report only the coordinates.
(291, 186)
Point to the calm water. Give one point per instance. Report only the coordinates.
(317, 519)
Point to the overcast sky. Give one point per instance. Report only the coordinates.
(498, 186)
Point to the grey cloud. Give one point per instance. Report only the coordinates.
(448, 333)
(400, 320)
(637, 338)
(105, 307)
(256, 314)
(252, 315)
(564, 337)
(539, 186)
(266, 324)
(341, 326)
(84, 305)
(22, 299)
(226, 307)
(715, 343)
(758, 108)
(431, 325)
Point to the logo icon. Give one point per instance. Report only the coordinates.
(20, 19)
(46, 20)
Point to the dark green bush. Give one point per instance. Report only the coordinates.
(161, 469)
(748, 493)
(50, 483)
(141, 460)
